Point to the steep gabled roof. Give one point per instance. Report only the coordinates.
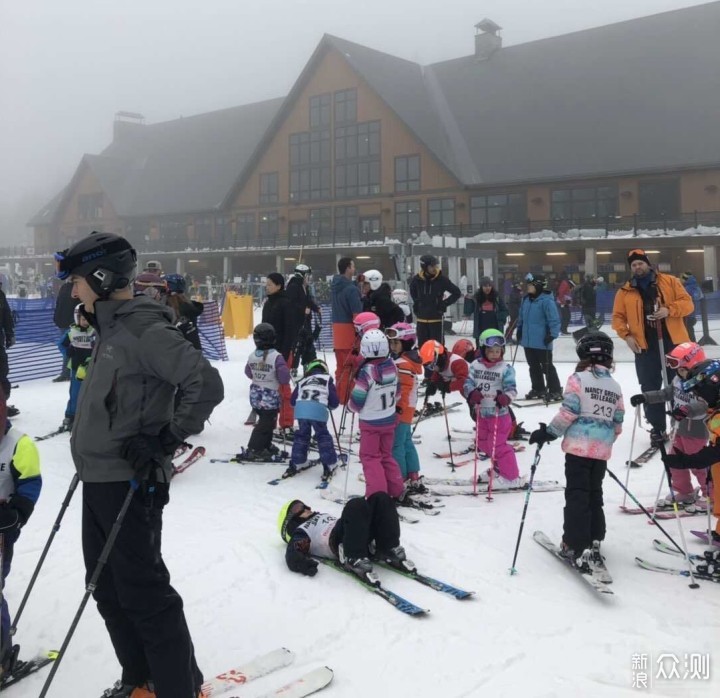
(636, 96)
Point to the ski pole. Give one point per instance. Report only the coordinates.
(2, 587)
(91, 585)
(422, 414)
(644, 510)
(447, 429)
(693, 584)
(533, 467)
(661, 348)
(46, 549)
(475, 464)
(347, 464)
(630, 457)
(491, 476)
(708, 484)
(657, 498)
(337, 437)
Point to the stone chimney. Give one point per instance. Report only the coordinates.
(487, 40)
(126, 123)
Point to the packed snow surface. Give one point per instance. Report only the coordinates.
(542, 632)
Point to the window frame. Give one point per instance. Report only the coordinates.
(269, 194)
(443, 211)
(403, 185)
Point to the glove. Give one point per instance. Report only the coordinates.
(443, 387)
(679, 413)
(636, 400)
(675, 460)
(431, 389)
(10, 520)
(548, 339)
(9, 340)
(475, 397)
(541, 435)
(518, 335)
(304, 565)
(145, 452)
(502, 400)
(81, 372)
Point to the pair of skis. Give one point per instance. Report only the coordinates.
(234, 678)
(193, 457)
(22, 669)
(325, 478)
(643, 458)
(243, 457)
(696, 560)
(394, 599)
(447, 487)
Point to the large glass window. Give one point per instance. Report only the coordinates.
(203, 228)
(320, 110)
(357, 179)
(173, 231)
(244, 229)
(346, 106)
(494, 210)
(407, 215)
(585, 202)
(659, 200)
(357, 141)
(346, 222)
(297, 232)
(268, 228)
(90, 206)
(310, 177)
(441, 212)
(320, 225)
(269, 188)
(407, 173)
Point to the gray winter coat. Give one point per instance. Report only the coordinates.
(139, 360)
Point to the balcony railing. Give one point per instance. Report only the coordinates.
(350, 237)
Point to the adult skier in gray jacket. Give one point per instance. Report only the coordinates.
(126, 429)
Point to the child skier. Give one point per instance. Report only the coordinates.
(590, 417)
(365, 525)
(20, 485)
(704, 382)
(446, 371)
(268, 371)
(490, 388)
(313, 395)
(76, 346)
(401, 297)
(402, 339)
(691, 435)
(373, 398)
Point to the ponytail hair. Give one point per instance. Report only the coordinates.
(584, 364)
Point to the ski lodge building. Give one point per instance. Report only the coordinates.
(555, 155)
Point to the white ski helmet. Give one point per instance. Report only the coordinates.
(399, 295)
(374, 278)
(374, 345)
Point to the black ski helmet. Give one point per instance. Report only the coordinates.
(106, 261)
(596, 346)
(537, 280)
(264, 336)
(704, 381)
(428, 260)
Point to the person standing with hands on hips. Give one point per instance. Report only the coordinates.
(537, 326)
(427, 290)
(125, 432)
(648, 301)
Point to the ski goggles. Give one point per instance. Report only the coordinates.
(392, 333)
(297, 508)
(494, 342)
(61, 267)
(672, 362)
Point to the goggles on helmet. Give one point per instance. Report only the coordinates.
(494, 341)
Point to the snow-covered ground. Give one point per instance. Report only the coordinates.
(540, 633)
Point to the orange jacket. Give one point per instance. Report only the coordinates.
(627, 315)
(409, 369)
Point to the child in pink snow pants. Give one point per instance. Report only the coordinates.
(489, 389)
(373, 399)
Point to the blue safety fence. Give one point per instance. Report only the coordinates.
(35, 353)
(325, 340)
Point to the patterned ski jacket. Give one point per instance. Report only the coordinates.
(591, 414)
(489, 378)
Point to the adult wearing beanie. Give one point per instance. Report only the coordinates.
(648, 300)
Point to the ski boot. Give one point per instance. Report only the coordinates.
(396, 557)
(361, 567)
(291, 471)
(683, 500)
(581, 562)
(657, 437)
(416, 486)
(712, 566)
(125, 690)
(554, 397)
(12, 411)
(503, 483)
(535, 395)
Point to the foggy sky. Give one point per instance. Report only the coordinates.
(66, 66)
